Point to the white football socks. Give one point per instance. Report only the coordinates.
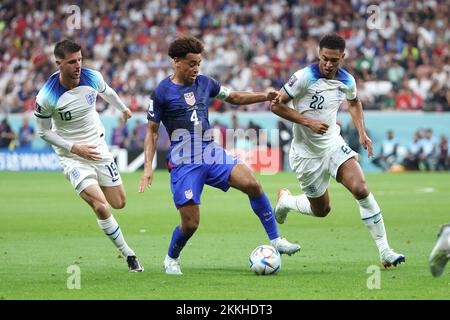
(112, 229)
(298, 203)
(373, 219)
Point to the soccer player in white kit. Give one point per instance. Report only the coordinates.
(318, 151)
(68, 120)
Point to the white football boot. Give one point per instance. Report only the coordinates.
(390, 258)
(172, 266)
(441, 252)
(280, 210)
(284, 246)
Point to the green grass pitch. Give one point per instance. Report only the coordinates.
(45, 228)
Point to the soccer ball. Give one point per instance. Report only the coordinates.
(265, 260)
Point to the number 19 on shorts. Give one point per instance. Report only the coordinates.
(114, 173)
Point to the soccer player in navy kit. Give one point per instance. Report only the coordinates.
(181, 103)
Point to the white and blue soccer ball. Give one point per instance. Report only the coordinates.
(265, 260)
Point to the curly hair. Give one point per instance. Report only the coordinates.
(181, 46)
(332, 41)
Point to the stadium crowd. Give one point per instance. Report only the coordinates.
(424, 152)
(400, 61)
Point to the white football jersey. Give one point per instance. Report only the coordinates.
(319, 98)
(73, 113)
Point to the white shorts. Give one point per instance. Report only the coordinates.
(313, 174)
(82, 174)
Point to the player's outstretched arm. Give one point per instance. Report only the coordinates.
(279, 107)
(242, 97)
(150, 143)
(47, 134)
(356, 112)
(113, 99)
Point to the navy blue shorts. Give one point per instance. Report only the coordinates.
(187, 180)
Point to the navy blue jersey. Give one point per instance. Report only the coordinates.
(183, 109)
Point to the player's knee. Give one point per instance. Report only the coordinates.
(361, 191)
(253, 187)
(119, 203)
(100, 208)
(322, 212)
(189, 227)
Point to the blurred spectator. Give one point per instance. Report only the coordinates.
(220, 133)
(7, 136)
(395, 73)
(351, 136)
(440, 86)
(257, 129)
(134, 143)
(388, 152)
(408, 100)
(163, 140)
(26, 134)
(285, 136)
(411, 161)
(141, 129)
(443, 154)
(120, 135)
(250, 45)
(420, 86)
(429, 150)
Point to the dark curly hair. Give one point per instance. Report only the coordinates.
(181, 46)
(332, 41)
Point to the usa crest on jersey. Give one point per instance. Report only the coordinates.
(189, 98)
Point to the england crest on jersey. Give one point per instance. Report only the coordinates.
(340, 92)
(189, 98)
(90, 98)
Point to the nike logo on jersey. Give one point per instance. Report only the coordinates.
(317, 91)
